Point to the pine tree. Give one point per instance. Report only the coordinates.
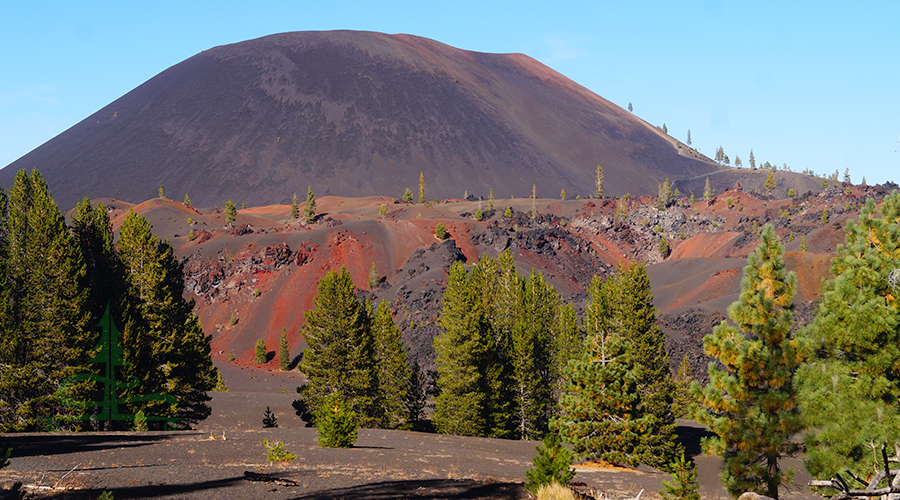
(260, 352)
(337, 422)
(683, 485)
(341, 349)
(752, 160)
(707, 191)
(599, 406)
(566, 345)
(309, 210)
(636, 317)
(689, 137)
(187, 200)
(162, 191)
(533, 201)
(462, 407)
(416, 396)
(682, 400)
(45, 333)
(804, 246)
(295, 207)
(551, 465)
(598, 193)
(770, 181)
(284, 351)
(270, 421)
(663, 247)
(737, 161)
(491, 199)
(532, 357)
(392, 371)
(230, 212)
(751, 404)
(850, 387)
(163, 342)
(422, 188)
(407, 196)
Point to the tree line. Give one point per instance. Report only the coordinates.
(512, 362)
(56, 283)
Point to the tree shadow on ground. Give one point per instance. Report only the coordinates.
(27, 445)
(153, 490)
(430, 488)
(690, 434)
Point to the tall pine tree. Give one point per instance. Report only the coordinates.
(340, 353)
(164, 346)
(636, 317)
(850, 387)
(600, 414)
(751, 404)
(45, 330)
(463, 405)
(393, 373)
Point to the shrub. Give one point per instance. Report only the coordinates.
(552, 464)
(269, 419)
(256, 292)
(440, 231)
(507, 213)
(407, 196)
(234, 319)
(191, 236)
(336, 423)
(140, 421)
(663, 247)
(262, 354)
(683, 485)
(220, 382)
(275, 452)
(479, 214)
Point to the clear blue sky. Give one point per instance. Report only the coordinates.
(815, 85)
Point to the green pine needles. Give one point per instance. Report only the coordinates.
(683, 485)
(337, 425)
(616, 403)
(552, 464)
(849, 389)
(752, 404)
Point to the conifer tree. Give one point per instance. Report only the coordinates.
(422, 188)
(284, 351)
(462, 404)
(689, 137)
(407, 196)
(551, 465)
(491, 199)
(341, 349)
(162, 191)
(566, 345)
(598, 192)
(752, 160)
(45, 333)
(416, 396)
(850, 387)
(230, 212)
(599, 406)
(295, 207)
(164, 345)
(707, 191)
(392, 371)
(532, 357)
(751, 404)
(309, 210)
(187, 200)
(770, 181)
(636, 317)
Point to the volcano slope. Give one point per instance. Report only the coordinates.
(356, 114)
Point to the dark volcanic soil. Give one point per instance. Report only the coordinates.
(225, 458)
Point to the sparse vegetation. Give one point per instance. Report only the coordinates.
(269, 420)
(275, 452)
(284, 351)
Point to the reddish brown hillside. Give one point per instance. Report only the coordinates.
(355, 114)
(258, 275)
